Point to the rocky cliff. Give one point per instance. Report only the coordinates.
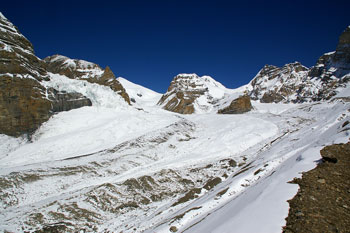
(23, 106)
(297, 83)
(24, 102)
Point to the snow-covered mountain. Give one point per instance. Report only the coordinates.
(297, 83)
(274, 84)
(30, 94)
(110, 166)
(189, 93)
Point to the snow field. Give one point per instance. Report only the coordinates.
(112, 142)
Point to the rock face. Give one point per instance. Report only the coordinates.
(83, 70)
(17, 53)
(240, 105)
(23, 106)
(189, 93)
(296, 83)
(24, 102)
(63, 101)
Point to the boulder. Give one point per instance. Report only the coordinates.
(238, 106)
(63, 101)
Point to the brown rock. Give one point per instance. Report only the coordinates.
(23, 107)
(179, 104)
(108, 79)
(240, 105)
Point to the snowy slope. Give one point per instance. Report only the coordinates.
(254, 198)
(130, 170)
(108, 122)
(92, 129)
(116, 167)
(143, 96)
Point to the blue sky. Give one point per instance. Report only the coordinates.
(149, 42)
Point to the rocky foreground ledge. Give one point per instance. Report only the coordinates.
(322, 203)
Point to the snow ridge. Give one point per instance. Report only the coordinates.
(141, 95)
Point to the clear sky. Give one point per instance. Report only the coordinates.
(149, 42)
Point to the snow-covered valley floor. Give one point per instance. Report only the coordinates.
(135, 170)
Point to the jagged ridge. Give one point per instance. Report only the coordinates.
(25, 103)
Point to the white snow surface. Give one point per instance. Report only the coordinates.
(84, 131)
(344, 91)
(143, 96)
(112, 143)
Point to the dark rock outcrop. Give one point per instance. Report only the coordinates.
(63, 101)
(23, 106)
(240, 105)
(322, 203)
(83, 70)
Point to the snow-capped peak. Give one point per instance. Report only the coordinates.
(189, 93)
(187, 82)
